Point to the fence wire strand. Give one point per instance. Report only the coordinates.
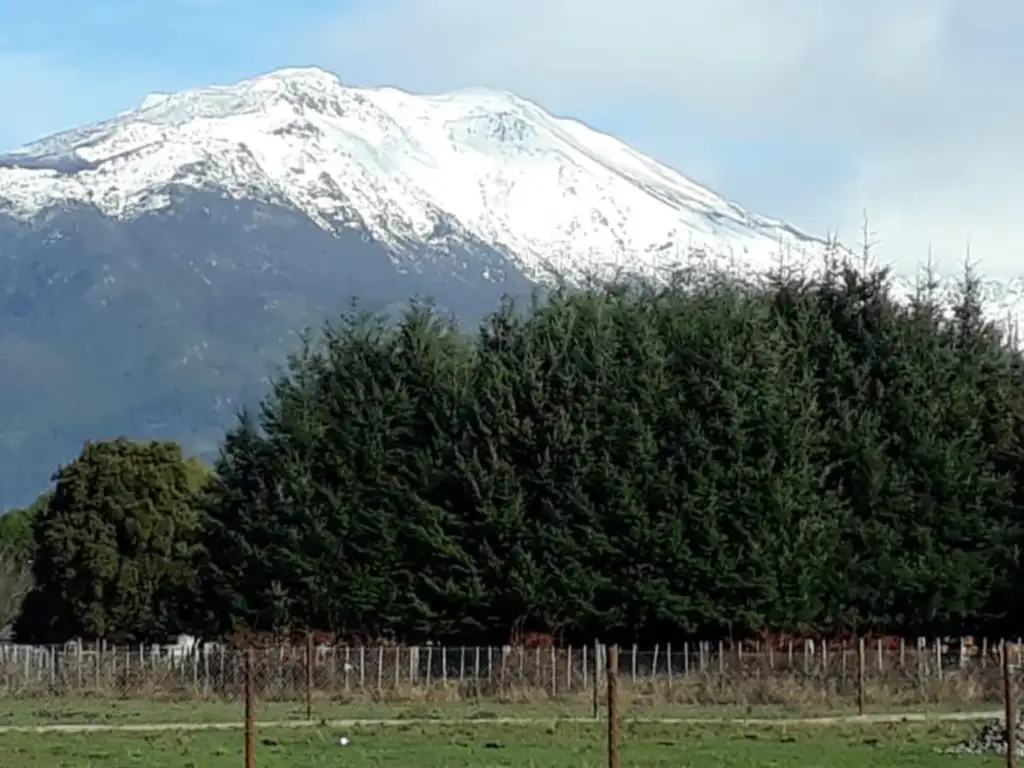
(697, 674)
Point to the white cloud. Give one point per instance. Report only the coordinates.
(924, 99)
(949, 197)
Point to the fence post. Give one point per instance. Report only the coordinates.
(362, 669)
(1011, 709)
(205, 649)
(398, 666)
(380, 671)
(597, 679)
(250, 711)
(613, 706)
(554, 672)
(860, 676)
(586, 668)
(668, 661)
(309, 675)
(476, 672)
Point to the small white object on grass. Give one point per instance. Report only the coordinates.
(343, 741)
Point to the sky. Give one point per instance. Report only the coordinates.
(813, 111)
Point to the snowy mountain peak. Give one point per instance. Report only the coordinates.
(202, 227)
(551, 194)
(308, 75)
(546, 191)
(309, 87)
(154, 100)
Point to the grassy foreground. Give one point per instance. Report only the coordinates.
(481, 744)
(112, 710)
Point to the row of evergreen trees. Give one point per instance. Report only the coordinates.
(625, 462)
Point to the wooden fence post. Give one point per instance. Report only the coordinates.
(613, 706)
(309, 675)
(1011, 709)
(860, 676)
(250, 710)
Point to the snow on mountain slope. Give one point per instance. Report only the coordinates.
(549, 192)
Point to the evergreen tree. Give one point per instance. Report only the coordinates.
(711, 457)
(112, 545)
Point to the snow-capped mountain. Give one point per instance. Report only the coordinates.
(549, 192)
(155, 266)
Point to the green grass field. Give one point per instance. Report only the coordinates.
(481, 744)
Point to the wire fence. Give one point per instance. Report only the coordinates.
(799, 677)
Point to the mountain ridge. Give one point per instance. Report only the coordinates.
(487, 162)
(154, 267)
